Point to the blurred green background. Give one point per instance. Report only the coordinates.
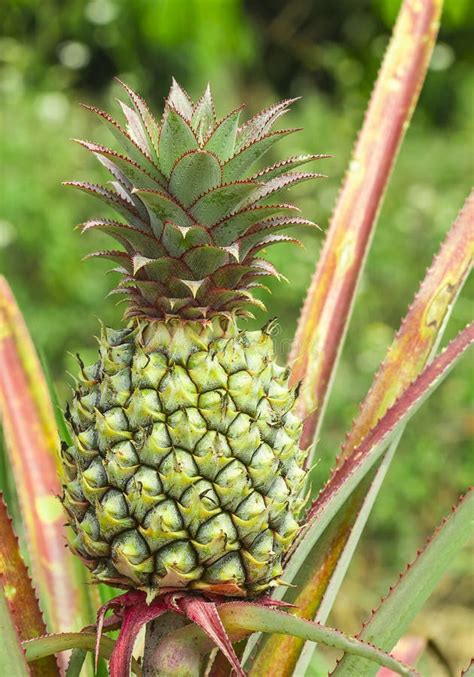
(54, 54)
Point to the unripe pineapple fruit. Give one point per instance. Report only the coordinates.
(185, 468)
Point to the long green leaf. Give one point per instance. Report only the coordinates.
(389, 622)
(328, 305)
(32, 443)
(415, 344)
(346, 478)
(12, 658)
(51, 644)
(183, 647)
(76, 663)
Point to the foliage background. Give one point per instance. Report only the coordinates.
(54, 54)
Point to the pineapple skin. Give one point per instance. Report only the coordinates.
(185, 469)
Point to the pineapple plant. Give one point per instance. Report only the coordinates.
(185, 469)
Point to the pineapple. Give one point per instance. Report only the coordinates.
(185, 469)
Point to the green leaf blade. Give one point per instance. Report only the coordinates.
(65, 598)
(19, 593)
(390, 621)
(321, 330)
(415, 344)
(176, 139)
(346, 478)
(12, 658)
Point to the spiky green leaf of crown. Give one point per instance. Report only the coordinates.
(195, 217)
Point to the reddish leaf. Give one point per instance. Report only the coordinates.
(205, 615)
(19, 593)
(349, 476)
(410, 397)
(321, 328)
(134, 618)
(30, 431)
(414, 345)
(12, 657)
(422, 325)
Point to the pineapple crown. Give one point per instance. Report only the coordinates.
(195, 216)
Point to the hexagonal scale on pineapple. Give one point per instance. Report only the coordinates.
(186, 427)
(88, 439)
(74, 500)
(243, 437)
(89, 537)
(177, 390)
(144, 407)
(211, 454)
(94, 481)
(251, 508)
(147, 369)
(178, 557)
(112, 514)
(81, 414)
(205, 371)
(217, 408)
(285, 525)
(115, 389)
(143, 491)
(263, 467)
(246, 391)
(121, 463)
(211, 551)
(153, 444)
(82, 455)
(198, 504)
(177, 471)
(131, 557)
(228, 568)
(231, 484)
(262, 547)
(257, 570)
(279, 491)
(112, 427)
(279, 397)
(163, 524)
(231, 355)
(115, 358)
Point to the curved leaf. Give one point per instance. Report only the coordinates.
(65, 598)
(19, 593)
(12, 658)
(414, 345)
(51, 644)
(321, 330)
(422, 327)
(240, 618)
(348, 476)
(389, 622)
